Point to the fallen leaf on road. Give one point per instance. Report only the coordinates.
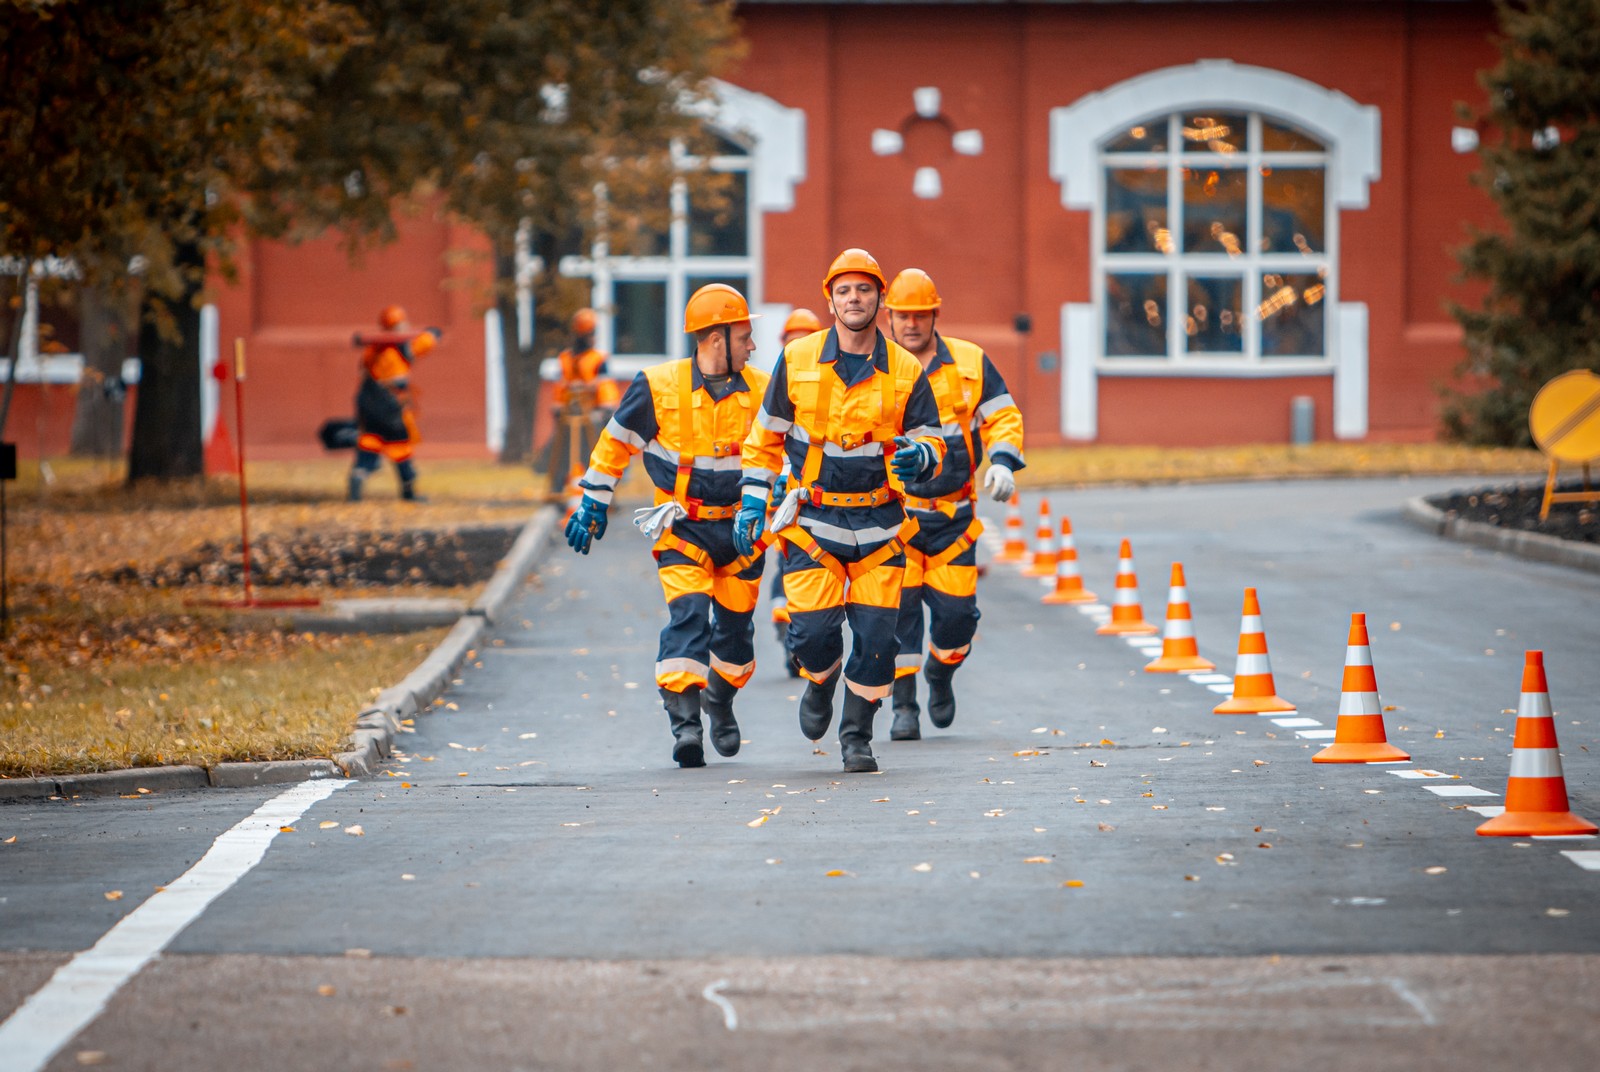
(974, 874)
(355, 831)
(1558, 912)
(326, 991)
(1028, 752)
(1265, 845)
(1224, 857)
(1158, 807)
(526, 736)
(1439, 734)
(758, 822)
(1107, 742)
(285, 829)
(818, 752)
(1191, 878)
(774, 860)
(1107, 827)
(91, 1057)
(358, 954)
(923, 867)
(1036, 860)
(1073, 883)
(571, 824)
(880, 800)
(408, 878)
(327, 825)
(914, 811)
(1258, 763)
(1217, 808)
(1038, 830)
(113, 895)
(1434, 870)
(1096, 763)
(837, 873)
(12, 840)
(993, 813)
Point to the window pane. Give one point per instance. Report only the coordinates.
(1136, 211)
(1212, 319)
(1280, 137)
(1291, 314)
(1136, 315)
(57, 322)
(722, 230)
(1147, 137)
(641, 316)
(1293, 210)
(1213, 210)
(1217, 132)
(727, 146)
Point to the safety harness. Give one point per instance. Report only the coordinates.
(953, 398)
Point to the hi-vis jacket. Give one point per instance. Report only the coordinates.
(584, 381)
(976, 412)
(850, 506)
(666, 409)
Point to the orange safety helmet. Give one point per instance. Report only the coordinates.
(853, 260)
(391, 317)
(584, 321)
(713, 304)
(802, 320)
(912, 292)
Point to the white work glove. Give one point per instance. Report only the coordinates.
(1000, 482)
(784, 513)
(655, 520)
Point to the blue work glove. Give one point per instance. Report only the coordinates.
(780, 487)
(588, 523)
(913, 462)
(749, 522)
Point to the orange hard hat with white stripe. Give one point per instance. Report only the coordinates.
(912, 292)
(853, 260)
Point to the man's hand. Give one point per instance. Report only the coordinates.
(749, 522)
(780, 487)
(588, 523)
(1000, 482)
(913, 462)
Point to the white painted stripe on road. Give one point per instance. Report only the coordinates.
(1588, 859)
(80, 989)
(1290, 723)
(1221, 690)
(1459, 791)
(1488, 811)
(1563, 837)
(713, 994)
(1420, 772)
(1316, 735)
(1210, 679)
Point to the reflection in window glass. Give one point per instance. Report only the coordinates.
(1214, 210)
(723, 231)
(1280, 137)
(1223, 133)
(1136, 211)
(641, 316)
(1150, 137)
(1293, 210)
(1136, 315)
(1212, 321)
(1291, 314)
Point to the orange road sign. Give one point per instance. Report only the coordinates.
(1565, 422)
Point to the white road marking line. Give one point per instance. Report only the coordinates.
(1290, 723)
(1588, 859)
(1562, 837)
(1316, 735)
(1421, 772)
(1459, 791)
(712, 993)
(80, 989)
(1211, 679)
(1405, 994)
(1221, 690)
(1488, 811)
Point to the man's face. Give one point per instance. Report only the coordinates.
(914, 329)
(853, 298)
(742, 336)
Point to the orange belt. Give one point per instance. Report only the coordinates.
(944, 504)
(670, 542)
(876, 497)
(962, 542)
(849, 571)
(699, 511)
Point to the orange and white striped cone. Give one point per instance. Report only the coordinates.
(1127, 614)
(1358, 736)
(1536, 791)
(1180, 654)
(1016, 546)
(1254, 692)
(1043, 562)
(1069, 582)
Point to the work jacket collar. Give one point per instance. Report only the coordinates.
(879, 362)
(941, 353)
(697, 381)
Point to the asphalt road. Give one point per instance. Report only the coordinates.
(1088, 861)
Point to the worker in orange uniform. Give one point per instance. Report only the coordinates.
(690, 418)
(978, 415)
(386, 418)
(845, 406)
(801, 322)
(585, 397)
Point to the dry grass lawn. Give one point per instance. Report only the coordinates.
(97, 675)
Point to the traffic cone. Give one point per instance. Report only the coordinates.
(1016, 547)
(1254, 692)
(1043, 562)
(220, 457)
(1358, 737)
(1179, 652)
(1536, 791)
(1127, 614)
(1069, 582)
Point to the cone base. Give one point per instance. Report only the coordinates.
(1179, 664)
(1082, 595)
(1361, 752)
(1254, 705)
(1040, 571)
(1139, 628)
(1011, 556)
(1537, 824)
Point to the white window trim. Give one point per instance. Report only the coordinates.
(1351, 133)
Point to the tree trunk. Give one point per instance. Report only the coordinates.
(521, 368)
(15, 343)
(97, 424)
(166, 420)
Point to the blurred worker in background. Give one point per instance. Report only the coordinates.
(801, 322)
(690, 418)
(386, 418)
(845, 406)
(977, 413)
(585, 397)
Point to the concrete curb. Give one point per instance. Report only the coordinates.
(377, 725)
(1530, 545)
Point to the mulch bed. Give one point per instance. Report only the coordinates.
(1516, 506)
(446, 559)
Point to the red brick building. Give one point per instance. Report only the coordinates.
(1164, 221)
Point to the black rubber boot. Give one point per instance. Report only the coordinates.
(683, 711)
(717, 702)
(906, 711)
(816, 707)
(855, 733)
(358, 478)
(408, 492)
(941, 697)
